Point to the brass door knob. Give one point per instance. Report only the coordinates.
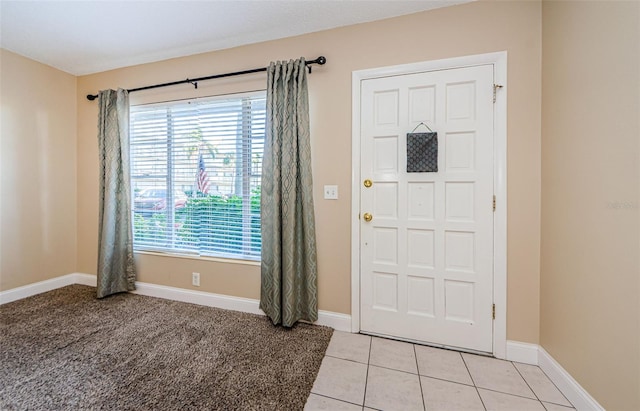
(368, 183)
(367, 217)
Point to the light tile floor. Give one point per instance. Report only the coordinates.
(370, 373)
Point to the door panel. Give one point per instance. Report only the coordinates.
(427, 253)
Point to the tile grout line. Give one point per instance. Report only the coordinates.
(473, 381)
(534, 392)
(384, 368)
(512, 394)
(527, 382)
(424, 406)
(344, 359)
(554, 384)
(335, 399)
(519, 396)
(366, 378)
(559, 405)
(446, 380)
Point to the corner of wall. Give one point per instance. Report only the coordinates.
(38, 138)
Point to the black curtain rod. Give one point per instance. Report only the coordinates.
(320, 60)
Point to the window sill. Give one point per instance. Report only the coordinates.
(200, 258)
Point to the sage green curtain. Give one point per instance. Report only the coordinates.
(289, 290)
(116, 271)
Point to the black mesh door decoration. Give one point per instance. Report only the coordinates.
(422, 152)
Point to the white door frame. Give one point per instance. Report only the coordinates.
(499, 61)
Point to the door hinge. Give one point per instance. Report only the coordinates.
(495, 90)
(493, 311)
(494, 203)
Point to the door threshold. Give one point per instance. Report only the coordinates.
(428, 344)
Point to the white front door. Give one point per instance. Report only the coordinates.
(426, 256)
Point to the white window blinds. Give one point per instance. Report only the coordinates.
(195, 175)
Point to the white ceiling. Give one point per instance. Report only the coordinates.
(83, 37)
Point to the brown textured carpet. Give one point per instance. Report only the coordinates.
(65, 349)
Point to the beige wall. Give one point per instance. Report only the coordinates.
(574, 289)
(37, 171)
(590, 272)
(474, 28)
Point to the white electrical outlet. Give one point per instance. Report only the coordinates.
(195, 279)
(330, 192)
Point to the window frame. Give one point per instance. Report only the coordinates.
(246, 166)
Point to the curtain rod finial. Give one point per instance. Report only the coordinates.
(92, 97)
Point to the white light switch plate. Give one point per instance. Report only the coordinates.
(330, 192)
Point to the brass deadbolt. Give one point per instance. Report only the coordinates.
(368, 183)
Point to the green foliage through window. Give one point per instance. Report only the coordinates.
(206, 224)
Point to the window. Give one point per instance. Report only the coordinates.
(195, 176)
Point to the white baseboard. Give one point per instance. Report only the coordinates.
(536, 355)
(522, 352)
(86, 279)
(574, 392)
(226, 302)
(19, 293)
(338, 321)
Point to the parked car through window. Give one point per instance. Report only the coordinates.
(155, 199)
